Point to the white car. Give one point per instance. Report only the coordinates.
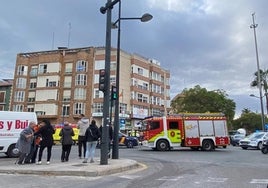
(253, 140)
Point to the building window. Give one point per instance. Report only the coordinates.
(32, 85)
(68, 67)
(80, 93)
(97, 94)
(18, 108)
(140, 71)
(30, 109)
(97, 108)
(51, 83)
(19, 96)
(145, 86)
(145, 99)
(140, 97)
(81, 79)
(31, 99)
(22, 70)
(157, 112)
(79, 108)
(34, 72)
(65, 110)
(123, 108)
(21, 83)
(40, 113)
(112, 80)
(42, 68)
(81, 66)
(113, 65)
(2, 96)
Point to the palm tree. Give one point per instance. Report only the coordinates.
(263, 82)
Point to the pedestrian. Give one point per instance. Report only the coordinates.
(24, 142)
(82, 125)
(92, 135)
(31, 157)
(66, 134)
(46, 131)
(37, 141)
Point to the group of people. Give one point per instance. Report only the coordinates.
(35, 138)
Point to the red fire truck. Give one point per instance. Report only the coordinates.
(206, 131)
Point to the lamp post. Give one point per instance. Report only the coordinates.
(254, 26)
(106, 90)
(145, 17)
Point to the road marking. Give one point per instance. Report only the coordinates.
(170, 178)
(216, 180)
(262, 181)
(130, 177)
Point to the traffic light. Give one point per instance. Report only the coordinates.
(114, 93)
(102, 80)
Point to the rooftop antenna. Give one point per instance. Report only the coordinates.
(52, 41)
(69, 34)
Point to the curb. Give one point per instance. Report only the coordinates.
(74, 169)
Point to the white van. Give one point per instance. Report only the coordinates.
(11, 124)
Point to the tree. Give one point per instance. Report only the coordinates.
(248, 120)
(199, 100)
(263, 82)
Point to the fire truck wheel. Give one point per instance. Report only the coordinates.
(162, 145)
(207, 145)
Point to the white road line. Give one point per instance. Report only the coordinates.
(130, 177)
(170, 178)
(216, 180)
(261, 181)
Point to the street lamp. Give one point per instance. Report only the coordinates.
(106, 89)
(254, 26)
(145, 17)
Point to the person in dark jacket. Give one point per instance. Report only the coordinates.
(92, 136)
(66, 134)
(46, 131)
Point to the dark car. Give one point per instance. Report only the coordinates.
(236, 138)
(129, 141)
(125, 140)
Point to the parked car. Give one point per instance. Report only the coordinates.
(129, 141)
(253, 140)
(125, 140)
(236, 138)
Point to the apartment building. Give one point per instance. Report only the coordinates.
(5, 94)
(61, 84)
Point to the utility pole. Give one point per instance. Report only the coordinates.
(254, 26)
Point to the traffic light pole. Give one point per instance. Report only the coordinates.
(105, 128)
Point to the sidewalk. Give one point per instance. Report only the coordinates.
(71, 168)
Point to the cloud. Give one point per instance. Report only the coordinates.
(206, 42)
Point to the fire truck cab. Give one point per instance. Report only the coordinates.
(204, 131)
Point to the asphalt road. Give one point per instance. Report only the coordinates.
(230, 168)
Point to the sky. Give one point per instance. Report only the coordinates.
(201, 42)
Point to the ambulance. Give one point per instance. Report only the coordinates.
(205, 131)
(11, 125)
